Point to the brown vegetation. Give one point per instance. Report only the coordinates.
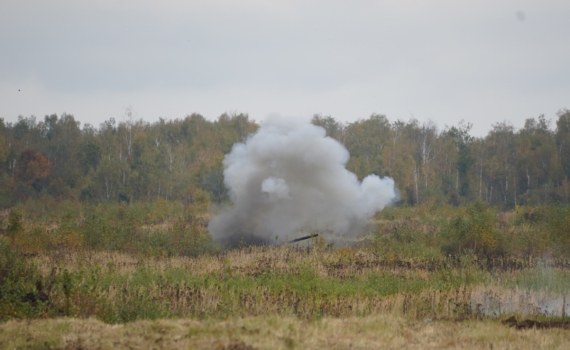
(269, 332)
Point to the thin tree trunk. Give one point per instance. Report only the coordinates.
(416, 183)
(457, 181)
(480, 178)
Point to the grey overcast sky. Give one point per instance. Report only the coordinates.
(481, 61)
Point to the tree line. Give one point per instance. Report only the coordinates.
(181, 160)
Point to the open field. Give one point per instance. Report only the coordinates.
(272, 332)
(139, 277)
(309, 284)
(278, 332)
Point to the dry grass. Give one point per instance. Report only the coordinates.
(271, 332)
(269, 280)
(252, 261)
(496, 300)
(287, 297)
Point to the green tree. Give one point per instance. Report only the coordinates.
(465, 159)
(365, 141)
(333, 128)
(563, 140)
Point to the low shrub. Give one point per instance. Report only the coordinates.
(474, 231)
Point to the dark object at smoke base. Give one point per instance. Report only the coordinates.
(302, 238)
(244, 240)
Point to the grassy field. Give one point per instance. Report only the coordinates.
(149, 276)
(273, 332)
(308, 283)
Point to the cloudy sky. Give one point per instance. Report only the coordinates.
(482, 61)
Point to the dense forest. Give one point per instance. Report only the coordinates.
(181, 160)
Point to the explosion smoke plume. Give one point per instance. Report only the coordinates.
(289, 177)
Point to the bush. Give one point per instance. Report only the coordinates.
(15, 224)
(19, 281)
(474, 231)
(558, 225)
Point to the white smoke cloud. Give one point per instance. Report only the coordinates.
(290, 177)
(275, 188)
